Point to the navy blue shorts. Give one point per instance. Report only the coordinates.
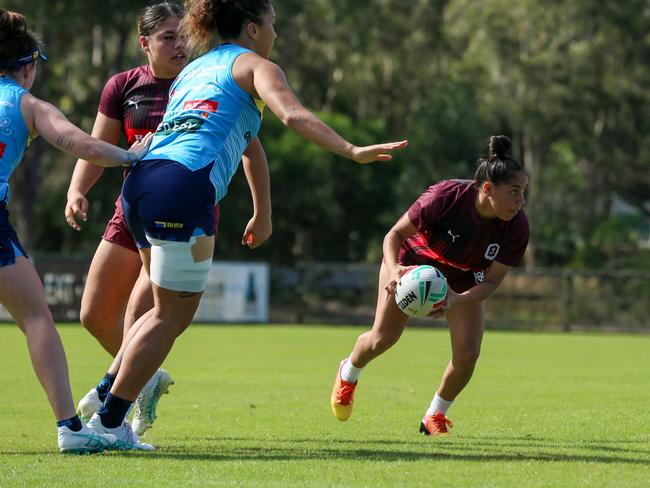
(10, 247)
(165, 200)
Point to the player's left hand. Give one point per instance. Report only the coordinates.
(257, 231)
(141, 146)
(377, 152)
(441, 310)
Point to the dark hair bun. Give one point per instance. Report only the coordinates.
(499, 146)
(11, 23)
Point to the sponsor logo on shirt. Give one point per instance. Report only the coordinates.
(204, 105)
(453, 236)
(160, 224)
(479, 277)
(3, 146)
(5, 103)
(133, 135)
(5, 127)
(190, 123)
(492, 251)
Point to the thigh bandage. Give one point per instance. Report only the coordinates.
(181, 266)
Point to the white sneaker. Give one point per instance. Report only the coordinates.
(84, 441)
(89, 405)
(126, 439)
(145, 404)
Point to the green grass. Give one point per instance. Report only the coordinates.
(250, 407)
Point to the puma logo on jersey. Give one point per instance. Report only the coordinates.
(453, 236)
(132, 103)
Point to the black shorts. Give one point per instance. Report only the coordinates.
(10, 247)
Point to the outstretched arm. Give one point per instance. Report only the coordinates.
(268, 81)
(256, 168)
(86, 174)
(45, 119)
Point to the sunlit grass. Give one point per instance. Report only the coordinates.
(250, 407)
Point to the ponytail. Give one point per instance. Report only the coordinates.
(497, 167)
(226, 17)
(17, 45)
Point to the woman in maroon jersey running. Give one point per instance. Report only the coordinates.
(473, 232)
(133, 103)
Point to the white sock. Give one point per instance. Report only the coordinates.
(349, 372)
(438, 405)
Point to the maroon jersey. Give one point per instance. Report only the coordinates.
(137, 99)
(453, 235)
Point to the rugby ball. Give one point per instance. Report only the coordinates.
(420, 291)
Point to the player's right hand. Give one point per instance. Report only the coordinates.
(257, 231)
(396, 274)
(76, 208)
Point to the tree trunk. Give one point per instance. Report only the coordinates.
(531, 149)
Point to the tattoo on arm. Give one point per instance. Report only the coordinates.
(64, 143)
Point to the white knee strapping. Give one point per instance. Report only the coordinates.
(174, 265)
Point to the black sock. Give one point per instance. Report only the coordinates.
(113, 411)
(104, 386)
(73, 423)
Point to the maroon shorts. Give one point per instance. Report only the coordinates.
(118, 232)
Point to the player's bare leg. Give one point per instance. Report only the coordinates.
(113, 273)
(138, 310)
(386, 330)
(466, 327)
(22, 294)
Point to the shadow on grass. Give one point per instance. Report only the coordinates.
(477, 449)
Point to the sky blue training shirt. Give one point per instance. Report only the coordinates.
(209, 118)
(14, 135)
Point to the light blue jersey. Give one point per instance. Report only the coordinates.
(209, 118)
(14, 135)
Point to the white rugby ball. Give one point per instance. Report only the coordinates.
(420, 291)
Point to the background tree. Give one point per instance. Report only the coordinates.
(568, 82)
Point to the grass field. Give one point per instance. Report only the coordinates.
(250, 407)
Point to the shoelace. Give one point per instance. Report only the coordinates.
(344, 394)
(441, 422)
(129, 435)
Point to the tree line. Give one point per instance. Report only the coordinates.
(569, 82)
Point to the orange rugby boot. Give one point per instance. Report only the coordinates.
(435, 424)
(342, 396)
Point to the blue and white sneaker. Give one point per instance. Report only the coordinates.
(145, 404)
(84, 441)
(126, 439)
(88, 405)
